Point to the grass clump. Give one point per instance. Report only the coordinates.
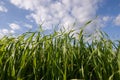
(59, 56)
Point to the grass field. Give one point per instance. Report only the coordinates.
(59, 56)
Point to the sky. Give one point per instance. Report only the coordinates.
(19, 16)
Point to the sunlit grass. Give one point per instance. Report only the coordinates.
(59, 56)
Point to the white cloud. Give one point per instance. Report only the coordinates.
(14, 26)
(28, 26)
(3, 9)
(107, 18)
(1, 35)
(63, 12)
(105, 21)
(12, 31)
(5, 31)
(117, 20)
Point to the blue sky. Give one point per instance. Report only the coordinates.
(18, 16)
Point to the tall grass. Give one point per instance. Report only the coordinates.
(59, 56)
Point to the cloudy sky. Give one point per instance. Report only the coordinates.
(18, 16)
